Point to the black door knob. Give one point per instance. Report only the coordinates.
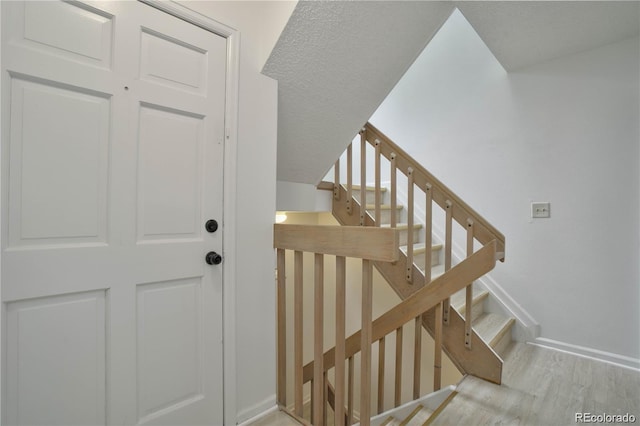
(213, 258)
(211, 225)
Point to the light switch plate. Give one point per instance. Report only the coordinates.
(540, 210)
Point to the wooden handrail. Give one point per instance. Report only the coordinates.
(421, 301)
(483, 232)
(380, 244)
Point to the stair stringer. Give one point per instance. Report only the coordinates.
(481, 360)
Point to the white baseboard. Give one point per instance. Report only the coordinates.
(596, 354)
(257, 411)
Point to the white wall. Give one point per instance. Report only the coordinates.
(260, 24)
(565, 131)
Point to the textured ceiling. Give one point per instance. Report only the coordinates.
(337, 60)
(523, 33)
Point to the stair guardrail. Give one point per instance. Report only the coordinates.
(370, 244)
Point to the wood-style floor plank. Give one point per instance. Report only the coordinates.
(544, 387)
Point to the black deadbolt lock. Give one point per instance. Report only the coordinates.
(213, 258)
(211, 225)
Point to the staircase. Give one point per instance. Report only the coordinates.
(492, 327)
(435, 287)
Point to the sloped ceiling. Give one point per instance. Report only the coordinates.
(523, 33)
(336, 61)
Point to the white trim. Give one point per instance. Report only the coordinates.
(260, 416)
(584, 352)
(257, 411)
(178, 10)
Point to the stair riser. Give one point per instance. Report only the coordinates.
(476, 310)
(385, 216)
(371, 196)
(404, 236)
(418, 259)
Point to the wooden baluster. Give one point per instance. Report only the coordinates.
(336, 180)
(340, 340)
(350, 392)
(428, 240)
(325, 389)
(394, 188)
(381, 361)
(365, 342)
(469, 290)
(282, 329)
(297, 333)
(311, 407)
(398, 389)
(377, 185)
(318, 350)
(350, 179)
(417, 357)
(409, 274)
(437, 356)
(447, 255)
(363, 176)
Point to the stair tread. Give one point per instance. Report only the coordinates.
(492, 326)
(459, 299)
(418, 417)
(384, 207)
(368, 188)
(402, 226)
(419, 248)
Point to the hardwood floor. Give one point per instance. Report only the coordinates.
(544, 387)
(540, 387)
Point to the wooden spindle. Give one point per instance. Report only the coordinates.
(428, 239)
(363, 177)
(394, 188)
(365, 342)
(397, 398)
(350, 179)
(447, 254)
(469, 290)
(437, 356)
(340, 341)
(318, 349)
(325, 389)
(336, 180)
(381, 361)
(417, 357)
(378, 195)
(282, 329)
(409, 267)
(298, 316)
(350, 390)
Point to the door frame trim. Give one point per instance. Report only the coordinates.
(172, 7)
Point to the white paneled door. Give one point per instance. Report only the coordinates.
(112, 164)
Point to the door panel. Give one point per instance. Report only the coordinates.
(57, 198)
(170, 346)
(111, 166)
(169, 168)
(44, 375)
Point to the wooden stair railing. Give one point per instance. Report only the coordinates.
(369, 244)
(466, 350)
